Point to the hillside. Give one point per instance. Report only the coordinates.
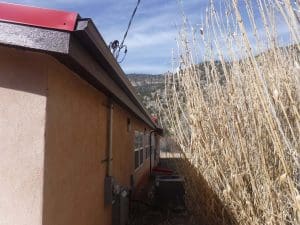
(152, 87)
(148, 87)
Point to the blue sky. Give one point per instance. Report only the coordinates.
(154, 30)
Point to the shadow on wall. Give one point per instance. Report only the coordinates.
(75, 145)
(23, 71)
(201, 200)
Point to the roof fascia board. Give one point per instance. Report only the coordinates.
(92, 72)
(89, 63)
(90, 36)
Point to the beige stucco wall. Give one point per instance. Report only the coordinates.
(22, 121)
(53, 140)
(123, 147)
(143, 171)
(122, 163)
(76, 143)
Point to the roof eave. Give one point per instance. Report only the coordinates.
(88, 34)
(84, 52)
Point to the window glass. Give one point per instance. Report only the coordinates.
(138, 149)
(136, 159)
(147, 144)
(136, 140)
(141, 156)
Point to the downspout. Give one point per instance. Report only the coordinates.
(110, 134)
(151, 151)
(109, 182)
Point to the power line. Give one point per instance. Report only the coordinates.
(115, 45)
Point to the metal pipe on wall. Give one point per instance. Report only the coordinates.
(151, 151)
(110, 137)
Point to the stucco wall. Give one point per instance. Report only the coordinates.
(53, 140)
(122, 164)
(123, 147)
(22, 121)
(140, 174)
(76, 143)
(53, 133)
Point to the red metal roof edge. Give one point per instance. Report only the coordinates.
(39, 17)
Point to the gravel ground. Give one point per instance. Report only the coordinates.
(152, 211)
(147, 215)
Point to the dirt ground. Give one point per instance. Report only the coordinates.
(147, 215)
(152, 211)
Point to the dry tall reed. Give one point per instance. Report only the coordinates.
(237, 120)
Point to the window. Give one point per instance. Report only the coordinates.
(153, 145)
(141, 156)
(147, 144)
(138, 149)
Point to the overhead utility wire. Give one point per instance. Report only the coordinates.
(115, 46)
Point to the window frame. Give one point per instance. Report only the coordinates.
(153, 146)
(147, 145)
(138, 149)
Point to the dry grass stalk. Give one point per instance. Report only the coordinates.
(238, 123)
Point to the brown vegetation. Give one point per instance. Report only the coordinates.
(239, 126)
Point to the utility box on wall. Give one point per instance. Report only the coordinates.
(120, 209)
(108, 190)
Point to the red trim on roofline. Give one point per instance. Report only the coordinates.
(39, 17)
